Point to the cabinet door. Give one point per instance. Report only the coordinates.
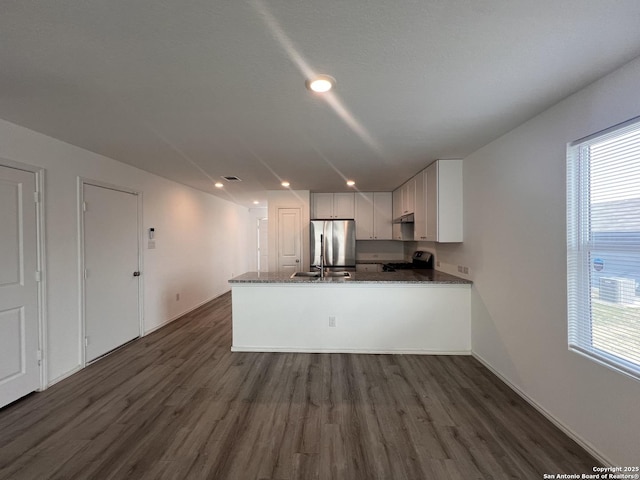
(409, 197)
(382, 205)
(322, 205)
(397, 203)
(364, 216)
(450, 221)
(420, 225)
(344, 205)
(397, 231)
(432, 201)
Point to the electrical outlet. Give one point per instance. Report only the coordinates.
(177, 297)
(332, 321)
(459, 268)
(465, 270)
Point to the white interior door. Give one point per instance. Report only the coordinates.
(289, 240)
(111, 260)
(19, 344)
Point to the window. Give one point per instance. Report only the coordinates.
(603, 247)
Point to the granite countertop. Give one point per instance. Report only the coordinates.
(400, 276)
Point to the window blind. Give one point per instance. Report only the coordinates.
(603, 247)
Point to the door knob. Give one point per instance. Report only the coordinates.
(136, 274)
(297, 261)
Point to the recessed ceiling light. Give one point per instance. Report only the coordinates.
(219, 185)
(285, 184)
(321, 83)
(256, 202)
(351, 183)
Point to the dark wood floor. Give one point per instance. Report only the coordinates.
(178, 404)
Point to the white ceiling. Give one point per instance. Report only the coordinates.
(196, 89)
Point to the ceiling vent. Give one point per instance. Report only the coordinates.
(231, 178)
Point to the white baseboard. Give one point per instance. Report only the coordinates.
(568, 431)
(188, 310)
(63, 376)
(240, 348)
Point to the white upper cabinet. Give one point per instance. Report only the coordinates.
(431, 212)
(443, 182)
(373, 216)
(397, 203)
(364, 216)
(434, 196)
(333, 205)
(409, 196)
(397, 213)
(420, 212)
(322, 205)
(404, 199)
(344, 205)
(382, 216)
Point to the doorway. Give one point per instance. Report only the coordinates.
(110, 268)
(289, 240)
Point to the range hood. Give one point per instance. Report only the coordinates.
(408, 218)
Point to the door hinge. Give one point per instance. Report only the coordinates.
(86, 341)
(86, 273)
(39, 355)
(38, 276)
(36, 197)
(84, 206)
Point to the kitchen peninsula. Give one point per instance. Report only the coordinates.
(415, 311)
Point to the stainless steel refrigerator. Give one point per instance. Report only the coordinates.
(339, 243)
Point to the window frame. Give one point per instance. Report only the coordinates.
(580, 243)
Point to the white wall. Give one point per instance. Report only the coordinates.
(515, 244)
(201, 239)
(380, 250)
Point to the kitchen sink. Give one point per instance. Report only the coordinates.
(338, 274)
(317, 275)
(305, 274)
